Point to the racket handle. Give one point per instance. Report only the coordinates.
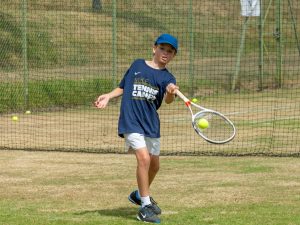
(185, 99)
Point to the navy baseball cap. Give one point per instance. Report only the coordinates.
(167, 39)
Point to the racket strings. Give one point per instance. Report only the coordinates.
(219, 128)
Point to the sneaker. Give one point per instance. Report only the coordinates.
(147, 214)
(135, 199)
(156, 209)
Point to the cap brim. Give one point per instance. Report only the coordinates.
(166, 42)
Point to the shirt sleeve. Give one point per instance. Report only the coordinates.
(122, 82)
(170, 80)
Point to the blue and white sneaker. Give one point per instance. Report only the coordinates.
(135, 198)
(147, 214)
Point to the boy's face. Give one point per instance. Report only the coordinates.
(163, 53)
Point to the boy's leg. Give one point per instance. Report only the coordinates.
(147, 167)
(154, 168)
(147, 211)
(142, 171)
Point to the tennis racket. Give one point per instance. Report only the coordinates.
(220, 129)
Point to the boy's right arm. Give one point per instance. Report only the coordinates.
(103, 100)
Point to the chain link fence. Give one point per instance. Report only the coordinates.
(58, 56)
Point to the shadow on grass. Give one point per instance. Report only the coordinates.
(117, 212)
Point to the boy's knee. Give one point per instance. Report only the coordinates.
(143, 159)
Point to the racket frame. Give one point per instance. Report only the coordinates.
(189, 104)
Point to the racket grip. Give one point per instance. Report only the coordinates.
(185, 99)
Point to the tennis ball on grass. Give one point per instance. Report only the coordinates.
(28, 112)
(203, 123)
(15, 118)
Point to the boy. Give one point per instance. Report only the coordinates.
(144, 86)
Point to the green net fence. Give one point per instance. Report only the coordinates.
(57, 57)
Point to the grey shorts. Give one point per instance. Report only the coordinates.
(137, 141)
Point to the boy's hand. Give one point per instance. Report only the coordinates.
(102, 101)
(171, 89)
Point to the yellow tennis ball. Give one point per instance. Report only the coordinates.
(203, 123)
(194, 100)
(28, 112)
(15, 118)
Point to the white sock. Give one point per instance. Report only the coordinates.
(145, 201)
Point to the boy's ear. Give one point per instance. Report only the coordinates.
(154, 48)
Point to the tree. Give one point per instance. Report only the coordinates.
(96, 5)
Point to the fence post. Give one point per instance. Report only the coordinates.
(261, 47)
(239, 55)
(114, 43)
(192, 47)
(24, 53)
(277, 35)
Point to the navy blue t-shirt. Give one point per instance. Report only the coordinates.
(144, 89)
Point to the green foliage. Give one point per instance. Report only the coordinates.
(68, 34)
(10, 41)
(52, 93)
(142, 20)
(40, 48)
(42, 51)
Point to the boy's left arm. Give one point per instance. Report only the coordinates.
(170, 93)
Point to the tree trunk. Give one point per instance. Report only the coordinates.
(97, 6)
